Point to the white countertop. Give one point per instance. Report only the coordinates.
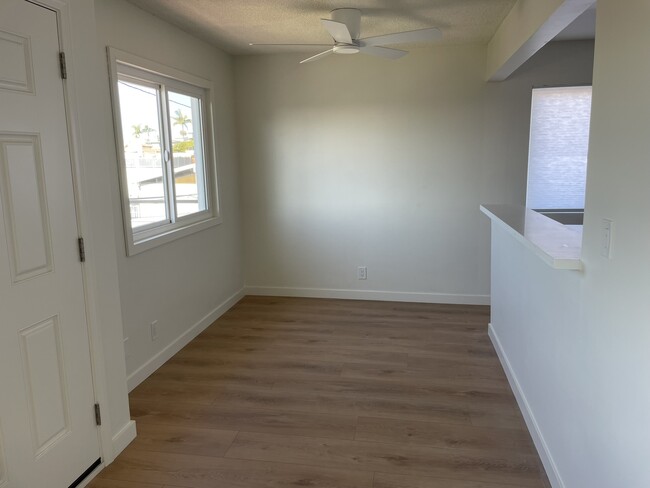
(559, 245)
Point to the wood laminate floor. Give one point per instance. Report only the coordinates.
(296, 392)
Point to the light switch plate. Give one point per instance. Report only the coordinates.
(606, 238)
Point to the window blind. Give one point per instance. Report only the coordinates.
(559, 143)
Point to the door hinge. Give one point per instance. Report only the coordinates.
(62, 65)
(82, 250)
(98, 414)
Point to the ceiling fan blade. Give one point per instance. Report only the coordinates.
(383, 52)
(431, 34)
(338, 30)
(265, 44)
(317, 56)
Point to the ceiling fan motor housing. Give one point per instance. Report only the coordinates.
(351, 17)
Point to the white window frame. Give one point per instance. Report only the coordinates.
(151, 73)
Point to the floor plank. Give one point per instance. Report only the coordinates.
(198, 373)
(442, 435)
(451, 393)
(372, 372)
(492, 465)
(386, 480)
(271, 365)
(185, 471)
(438, 408)
(159, 388)
(147, 412)
(217, 347)
(106, 483)
(182, 439)
(286, 392)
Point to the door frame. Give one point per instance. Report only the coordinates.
(89, 275)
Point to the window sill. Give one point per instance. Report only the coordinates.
(136, 246)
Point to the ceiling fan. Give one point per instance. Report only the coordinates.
(345, 29)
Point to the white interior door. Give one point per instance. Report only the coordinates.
(48, 436)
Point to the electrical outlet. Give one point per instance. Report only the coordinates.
(154, 330)
(362, 273)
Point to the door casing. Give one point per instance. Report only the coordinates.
(89, 275)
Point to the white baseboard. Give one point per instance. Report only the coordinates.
(533, 427)
(388, 296)
(123, 438)
(144, 371)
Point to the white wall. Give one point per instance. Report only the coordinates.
(361, 161)
(578, 342)
(617, 290)
(179, 283)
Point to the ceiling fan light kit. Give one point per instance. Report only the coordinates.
(345, 29)
(345, 49)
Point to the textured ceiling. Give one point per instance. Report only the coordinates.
(233, 24)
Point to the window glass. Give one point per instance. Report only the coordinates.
(559, 143)
(143, 154)
(187, 153)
